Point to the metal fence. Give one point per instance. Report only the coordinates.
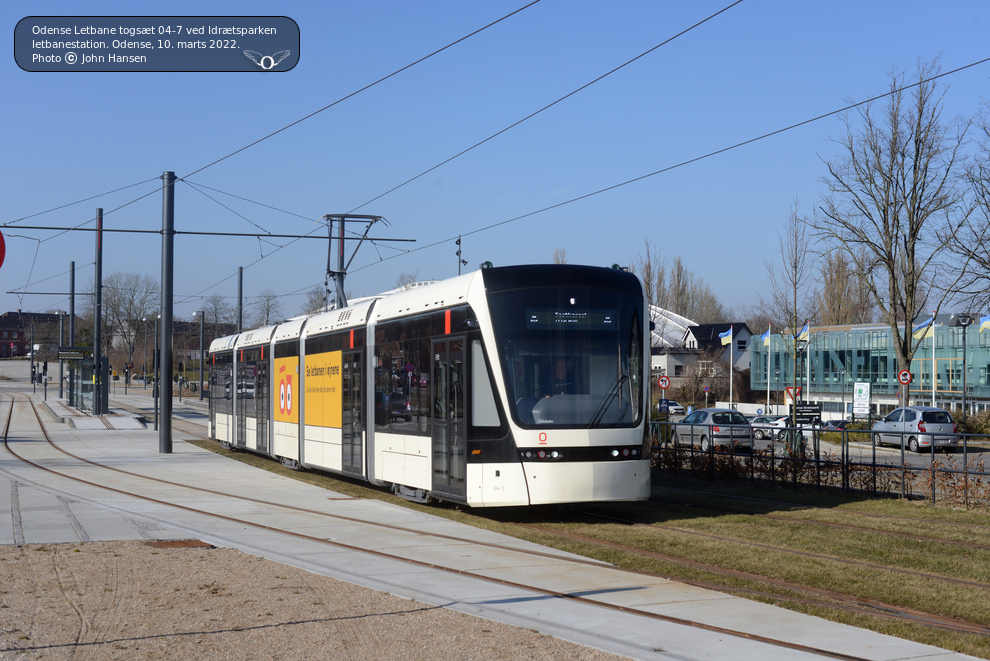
(844, 460)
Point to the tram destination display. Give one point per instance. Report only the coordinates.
(546, 318)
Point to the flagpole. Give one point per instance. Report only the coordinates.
(934, 375)
(732, 341)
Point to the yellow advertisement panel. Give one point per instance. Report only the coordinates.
(324, 392)
(287, 389)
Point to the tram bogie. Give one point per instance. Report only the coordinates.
(508, 386)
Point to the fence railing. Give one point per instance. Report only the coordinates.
(846, 460)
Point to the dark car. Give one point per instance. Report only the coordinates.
(708, 427)
(835, 425)
(399, 406)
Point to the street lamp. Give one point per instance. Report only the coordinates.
(156, 386)
(964, 320)
(777, 389)
(843, 373)
(202, 319)
(144, 365)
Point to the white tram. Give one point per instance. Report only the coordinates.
(518, 385)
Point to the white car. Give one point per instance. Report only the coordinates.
(673, 407)
(769, 426)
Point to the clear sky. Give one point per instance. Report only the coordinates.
(756, 68)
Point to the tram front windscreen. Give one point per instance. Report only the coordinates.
(572, 356)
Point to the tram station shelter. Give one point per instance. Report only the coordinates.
(834, 358)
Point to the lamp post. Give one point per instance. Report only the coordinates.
(964, 320)
(843, 373)
(777, 389)
(144, 365)
(156, 386)
(202, 320)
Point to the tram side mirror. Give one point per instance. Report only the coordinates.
(653, 325)
(470, 324)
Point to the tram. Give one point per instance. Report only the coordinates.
(508, 386)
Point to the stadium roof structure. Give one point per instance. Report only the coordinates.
(669, 327)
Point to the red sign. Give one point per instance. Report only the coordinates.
(3, 249)
(904, 377)
(793, 393)
(663, 382)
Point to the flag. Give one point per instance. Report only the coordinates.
(805, 333)
(924, 329)
(726, 337)
(984, 323)
(766, 338)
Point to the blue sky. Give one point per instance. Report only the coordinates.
(756, 68)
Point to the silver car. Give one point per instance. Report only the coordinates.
(918, 427)
(708, 427)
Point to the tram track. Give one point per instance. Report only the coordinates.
(575, 598)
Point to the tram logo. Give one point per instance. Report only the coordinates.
(267, 62)
(286, 370)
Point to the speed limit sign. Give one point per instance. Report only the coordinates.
(904, 377)
(663, 382)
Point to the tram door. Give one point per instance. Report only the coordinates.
(352, 423)
(261, 404)
(449, 457)
(240, 404)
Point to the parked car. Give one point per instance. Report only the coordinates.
(835, 425)
(673, 407)
(708, 427)
(917, 427)
(769, 426)
(399, 405)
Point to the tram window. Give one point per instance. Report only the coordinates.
(483, 410)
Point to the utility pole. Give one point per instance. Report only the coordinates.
(340, 272)
(99, 407)
(168, 239)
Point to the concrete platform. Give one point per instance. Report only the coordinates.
(87, 502)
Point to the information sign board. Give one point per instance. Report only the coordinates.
(861, 398)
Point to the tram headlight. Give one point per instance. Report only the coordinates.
(556, 455)
(615, 453)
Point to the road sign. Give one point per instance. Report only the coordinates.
(793, 393)
(904, 377)
(663, 382)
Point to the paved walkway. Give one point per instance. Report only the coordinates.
(39, 507)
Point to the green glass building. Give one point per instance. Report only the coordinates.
(834, 358)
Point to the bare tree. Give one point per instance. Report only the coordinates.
(844, 297)
(791, 299)
(651, 269)
(316, 300)
(218, 311)
(691, 297)
(267, 308)
(406, 279)
(895, 201)
(127, 299)
(970, 242)
(559, 255)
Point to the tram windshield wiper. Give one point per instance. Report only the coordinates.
(607, 401)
